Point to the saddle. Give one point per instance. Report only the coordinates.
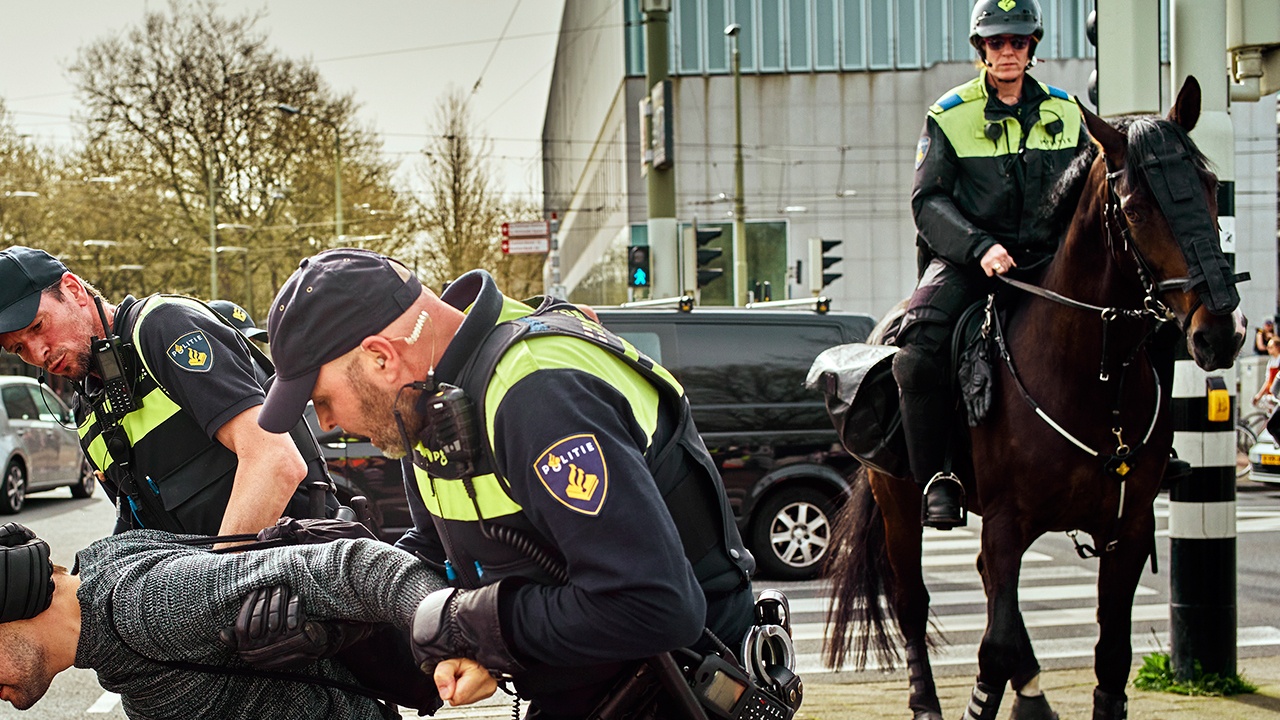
(862, 396)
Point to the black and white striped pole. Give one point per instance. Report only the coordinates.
(1202, 508)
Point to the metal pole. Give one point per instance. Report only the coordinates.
(213, 235)
(739, 203)
(1202, 509)
(337, 183)
(660, 185)
(248, 286)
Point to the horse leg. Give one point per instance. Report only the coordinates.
(899, 503)
(1118, 578)
(1005, 653)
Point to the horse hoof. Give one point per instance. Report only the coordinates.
(927, 715)
(1035, 707)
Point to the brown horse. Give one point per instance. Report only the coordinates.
(1064, 446)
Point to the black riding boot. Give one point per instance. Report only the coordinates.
(1109, 706)
(928, 413)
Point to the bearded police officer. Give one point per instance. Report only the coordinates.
(168, 399)
(557, 477)
(990, 154)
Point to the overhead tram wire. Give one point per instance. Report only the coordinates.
(496, 45)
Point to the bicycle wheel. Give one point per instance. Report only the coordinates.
(1245, 439)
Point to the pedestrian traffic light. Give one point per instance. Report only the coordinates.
(707, 255)
(821, 258)
(1126, 68)
(638, 266)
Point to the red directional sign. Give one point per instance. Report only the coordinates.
(539, 229)
(525, 246)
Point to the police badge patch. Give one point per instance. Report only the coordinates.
(574, 472)
(922, 149)
(192, 352)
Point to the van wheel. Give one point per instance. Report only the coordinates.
(791, 533)
(15, 489)
(87, 481)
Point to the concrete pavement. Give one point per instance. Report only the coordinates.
(1069, 691)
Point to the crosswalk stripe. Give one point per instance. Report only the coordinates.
(968, 559)
(1039, 593)
(1056, 648)
(105, 703)
(1031, 574)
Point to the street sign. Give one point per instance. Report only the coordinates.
(539, 229)
(525, 245)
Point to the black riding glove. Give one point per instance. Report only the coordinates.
(272, 631)
(454, 623)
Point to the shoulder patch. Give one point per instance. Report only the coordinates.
(949, 102)
(192, 352)
(573, 470)
(1058, 92)
(922, 150)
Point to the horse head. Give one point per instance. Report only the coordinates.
(1163, 203)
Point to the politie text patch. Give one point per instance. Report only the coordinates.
(192, 352)
(574, 472)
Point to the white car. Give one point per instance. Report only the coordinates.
(1264, 460)
(38, 445)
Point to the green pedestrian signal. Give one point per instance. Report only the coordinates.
(638, 266)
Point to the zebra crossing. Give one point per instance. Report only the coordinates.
(1057, 594)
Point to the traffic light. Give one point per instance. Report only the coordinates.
(1126, 71)
(707, 255)
(821, 258)
(638, 266)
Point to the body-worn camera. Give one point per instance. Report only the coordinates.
(449, 435)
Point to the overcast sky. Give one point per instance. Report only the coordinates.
(397, 56)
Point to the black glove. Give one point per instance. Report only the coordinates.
(272, 631)
(454, 623)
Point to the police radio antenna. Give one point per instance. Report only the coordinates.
(102, 315)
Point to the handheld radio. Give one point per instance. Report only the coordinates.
(105, 355)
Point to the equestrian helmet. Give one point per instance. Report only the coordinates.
(1005, 17)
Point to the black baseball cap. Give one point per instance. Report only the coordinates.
(331, 303)
(240, 318)
(24, 273)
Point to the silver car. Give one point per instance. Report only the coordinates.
(38, 445)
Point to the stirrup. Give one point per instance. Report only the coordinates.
(949, 522)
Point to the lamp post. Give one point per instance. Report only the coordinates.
(337, 164)
(739, 206)
(248, 280)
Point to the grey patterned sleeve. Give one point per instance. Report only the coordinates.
(177, 599)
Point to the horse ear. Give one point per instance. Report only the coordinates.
(1186, 109)
(1113, 141)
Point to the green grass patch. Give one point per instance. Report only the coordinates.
(1156, 674)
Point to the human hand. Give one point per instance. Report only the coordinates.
(997, 261)
(272, 631)
(462, 681)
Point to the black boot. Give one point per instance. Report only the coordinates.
(943, 505)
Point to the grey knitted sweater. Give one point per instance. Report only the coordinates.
(169, 601)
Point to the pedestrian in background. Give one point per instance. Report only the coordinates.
(1264, 336)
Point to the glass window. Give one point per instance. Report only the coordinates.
(1164, 32)
(646, 342)
(771, 27)
(935, 33)
(825, 29)
(798, 34)
(1048, 46)
(908, 34)
(634, 38)
(960, 48)
(880, 33)
(18, 403)
(744, 13)
(717, 41)
(49, 406)
(854, 56)
(690, 47)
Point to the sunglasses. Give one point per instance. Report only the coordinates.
(1017, 42)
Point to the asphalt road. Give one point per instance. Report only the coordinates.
(1056, 588)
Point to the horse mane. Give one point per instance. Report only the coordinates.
(1143, 132)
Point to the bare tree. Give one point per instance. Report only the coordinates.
(463, 209)
(183, 111)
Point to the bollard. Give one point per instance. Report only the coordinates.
(1202, 524)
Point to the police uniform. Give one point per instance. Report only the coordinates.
(584, 444)
(984, 172)
(190, 372)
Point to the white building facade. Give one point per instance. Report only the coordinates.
(834, 98)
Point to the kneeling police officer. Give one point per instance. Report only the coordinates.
(557, 477)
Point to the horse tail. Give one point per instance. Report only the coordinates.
(860, 575)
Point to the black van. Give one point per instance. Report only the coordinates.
(782, 464)
(778, 453)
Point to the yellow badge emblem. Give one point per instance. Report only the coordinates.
(574, 472)
(1007, 5)
(192, 352)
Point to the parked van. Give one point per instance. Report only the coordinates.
(783, 467)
